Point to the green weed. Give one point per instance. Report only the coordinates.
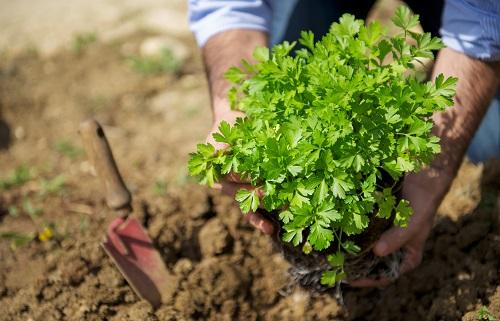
(84, 224)
(163, 63)
(52, 186)
(484, 314)
(13, 211)
(32, 211)
(96, 103)
(68, 149)
(18, 177)
(31, 50)
(82, 41)
(160, 188)
(17, 239)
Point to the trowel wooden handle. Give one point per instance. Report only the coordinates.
(99, 152)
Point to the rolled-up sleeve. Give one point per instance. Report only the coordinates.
(472, 27)
(209, 17)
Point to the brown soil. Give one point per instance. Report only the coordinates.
(227, 270)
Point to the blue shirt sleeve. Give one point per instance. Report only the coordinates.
(472, 27)
(209, 17)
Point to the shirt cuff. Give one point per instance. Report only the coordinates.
(208, 18)
(472, 27)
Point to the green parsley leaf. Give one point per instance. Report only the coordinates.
(320, 236)
(404, 19)
(286, 216)
(249, 200)
(403, 213)
(336, 259)
(350, 247)
(261, 54)
(293, 235)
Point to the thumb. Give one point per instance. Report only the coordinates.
(391, 240)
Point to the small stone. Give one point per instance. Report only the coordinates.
(19, 132)
(87, 168)
(463, 276)
(154, 46)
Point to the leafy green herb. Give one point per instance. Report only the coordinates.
(324, 128)
(249, 200)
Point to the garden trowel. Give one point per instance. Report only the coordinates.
(127, 242)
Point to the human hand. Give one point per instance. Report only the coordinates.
(424, 191)
(232, 183)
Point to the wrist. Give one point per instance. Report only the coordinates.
(426, 190)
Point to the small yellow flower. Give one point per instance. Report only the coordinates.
(46, 234)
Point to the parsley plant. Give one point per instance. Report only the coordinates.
(322, 125)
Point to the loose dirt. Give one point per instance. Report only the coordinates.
(227, 270)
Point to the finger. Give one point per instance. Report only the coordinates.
(410, 262)
(236, 178)
(392, 240)
(370, 282)
(412, 257)
(230, 188)
(259, 222)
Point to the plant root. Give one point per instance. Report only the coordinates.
(306, 269)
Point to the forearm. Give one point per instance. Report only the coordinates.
(477, 84)
(223, 51)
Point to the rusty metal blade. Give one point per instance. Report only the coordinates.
(132, 251)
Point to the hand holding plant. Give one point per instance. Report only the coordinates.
(232, 183)
(329, 133)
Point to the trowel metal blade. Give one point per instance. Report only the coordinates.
(131, 249)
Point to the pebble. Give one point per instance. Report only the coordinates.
(19, 132)
(153, 47)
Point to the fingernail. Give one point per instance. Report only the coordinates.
(381, 248)
(217, 186)
(267, 228)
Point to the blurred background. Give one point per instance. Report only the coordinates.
(134, 66)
